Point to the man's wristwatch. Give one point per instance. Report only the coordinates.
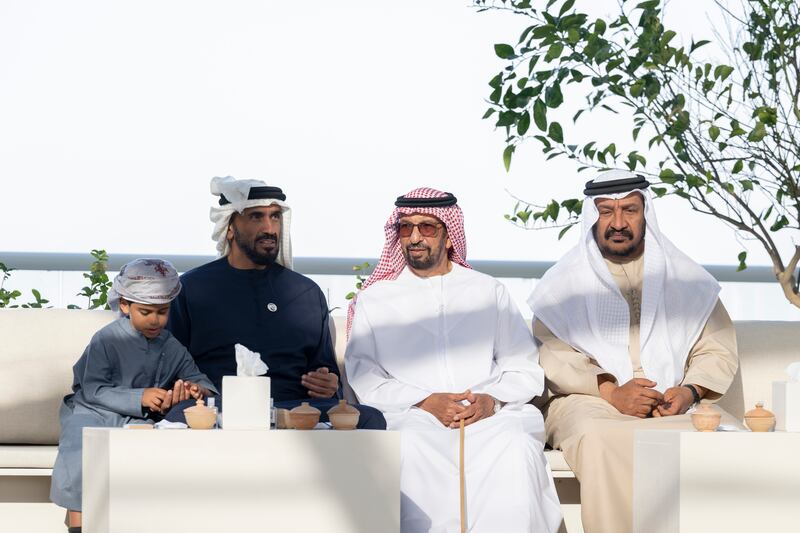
(497, 405)
(695, 394)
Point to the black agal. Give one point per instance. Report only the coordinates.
(259, 193)
(615, 186)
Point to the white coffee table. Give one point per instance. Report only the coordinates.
(225, 480)
(722, 481)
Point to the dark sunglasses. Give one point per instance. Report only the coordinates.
(426, 229)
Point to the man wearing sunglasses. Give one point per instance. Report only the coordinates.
(432, 343)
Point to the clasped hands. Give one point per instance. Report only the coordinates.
(638, 398)
(161, 400)
(449, 408)
(321, 383)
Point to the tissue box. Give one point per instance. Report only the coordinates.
(245, 402)
(786, 405)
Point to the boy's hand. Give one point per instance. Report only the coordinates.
(197, 392)
(174, 396)
(153, 398)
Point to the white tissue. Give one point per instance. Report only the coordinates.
(166, 424)
(793, 370)
(249, 363)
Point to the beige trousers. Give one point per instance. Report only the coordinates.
(597, 442)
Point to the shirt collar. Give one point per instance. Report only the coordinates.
(127, 326)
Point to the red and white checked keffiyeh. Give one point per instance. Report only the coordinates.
(392, 261)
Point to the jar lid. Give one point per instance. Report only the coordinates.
(342, 407)
(759, 412)
(199, 407)
(305, 408)
(705, 408)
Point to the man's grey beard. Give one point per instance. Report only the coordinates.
(263, 259)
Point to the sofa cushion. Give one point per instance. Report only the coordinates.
(557, 461)
(24, 456)
(41, 345)
(339, 337)
(13, 456)
(39, 348)
(765, 350)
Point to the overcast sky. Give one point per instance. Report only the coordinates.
(115, 115)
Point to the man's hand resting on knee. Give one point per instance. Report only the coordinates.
(635, 398)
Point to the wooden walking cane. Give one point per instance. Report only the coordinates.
(461, 476)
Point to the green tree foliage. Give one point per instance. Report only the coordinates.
(723, 137)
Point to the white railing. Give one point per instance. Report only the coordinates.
(751, 294)
(335, 266)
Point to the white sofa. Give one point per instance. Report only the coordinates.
(39, 346)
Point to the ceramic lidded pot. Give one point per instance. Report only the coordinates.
(705, 418)
(200, 417)
(343, 416)
(759, 419)
(304, 416)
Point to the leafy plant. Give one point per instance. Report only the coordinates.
(723, 137)
(6, 296)
(96, 291)
(361, 277)
(99, 284)
(37, 303)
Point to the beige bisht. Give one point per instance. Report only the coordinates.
(656, 317)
